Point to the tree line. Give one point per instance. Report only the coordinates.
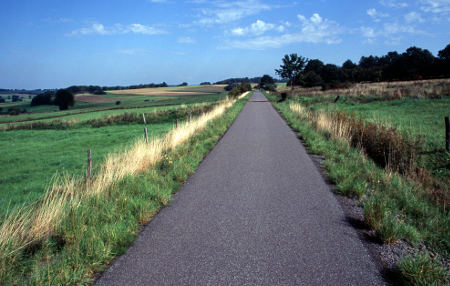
(413, 64)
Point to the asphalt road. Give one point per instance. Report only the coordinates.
(256, 212)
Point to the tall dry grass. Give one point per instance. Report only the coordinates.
(383, 90)
(386, 146)
(33, 223)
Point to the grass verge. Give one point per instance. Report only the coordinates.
(393, 205)
(79, 227)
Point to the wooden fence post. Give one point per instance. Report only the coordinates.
(89, 170)
(447, 134)
(146, 135)
(143, 116)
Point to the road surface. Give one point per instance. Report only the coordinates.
(256, 212)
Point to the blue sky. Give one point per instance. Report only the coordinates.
(54, 44)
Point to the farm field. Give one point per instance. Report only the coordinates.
(33, 157)
(129, 99)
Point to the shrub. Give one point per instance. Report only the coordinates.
(235, 91)
(230, 86)
(13, 111)
(16, 98)
(64, 99)
(2, 100)
(45, 98)
(118, 102)
(205, 83)
(244, 87)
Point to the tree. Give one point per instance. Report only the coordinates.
(205, 83)
(183, 84)
(64, 99)
(311, 79)
(45, 98)
(314, 66)
(267, 82)
(444, 54)
(291, 68)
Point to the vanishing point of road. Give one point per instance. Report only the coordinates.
(256, 212)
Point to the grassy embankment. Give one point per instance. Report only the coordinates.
(79, 226)
(34, 156)
(36, 148)
(380, 166)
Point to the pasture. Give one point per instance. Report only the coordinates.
(49, 141)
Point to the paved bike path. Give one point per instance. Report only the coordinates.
(256, 212)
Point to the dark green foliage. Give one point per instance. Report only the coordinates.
(244, 87)
(118, 102)
(292, 67)
(45, 98)
(205, 83)
(64, 99)
(414, 64)
(183, 84)
(235, 91)
(422, 269)
(16, 98)
(312, 79)
(267, 82)
(2, 100)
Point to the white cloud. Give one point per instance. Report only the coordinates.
(375, 15)
(186, 40)
(226, 12)
(414, 17)
(257, 28)
(313, 30)
(435, 6)
(317, 30)
(392, 32)
(100, 29)
(393, 4)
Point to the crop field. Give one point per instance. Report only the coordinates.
(43, 143)
(128, 98)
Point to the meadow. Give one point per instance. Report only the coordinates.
(79, 225)
(388, 153)
(36, 149)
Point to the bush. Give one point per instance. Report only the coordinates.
(45, 98)
(2, 100)
(205, 83)
(13, 111)
(118, 102)
(16, 98)
(64, 99)
(244, 87)
(230, 86)
(235, 91)
(99, 92)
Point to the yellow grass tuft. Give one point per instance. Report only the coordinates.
(35, 222)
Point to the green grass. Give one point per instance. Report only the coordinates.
(103, 227)
(395, 207)
(32, 157)
(128, 101)
(421, 119)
